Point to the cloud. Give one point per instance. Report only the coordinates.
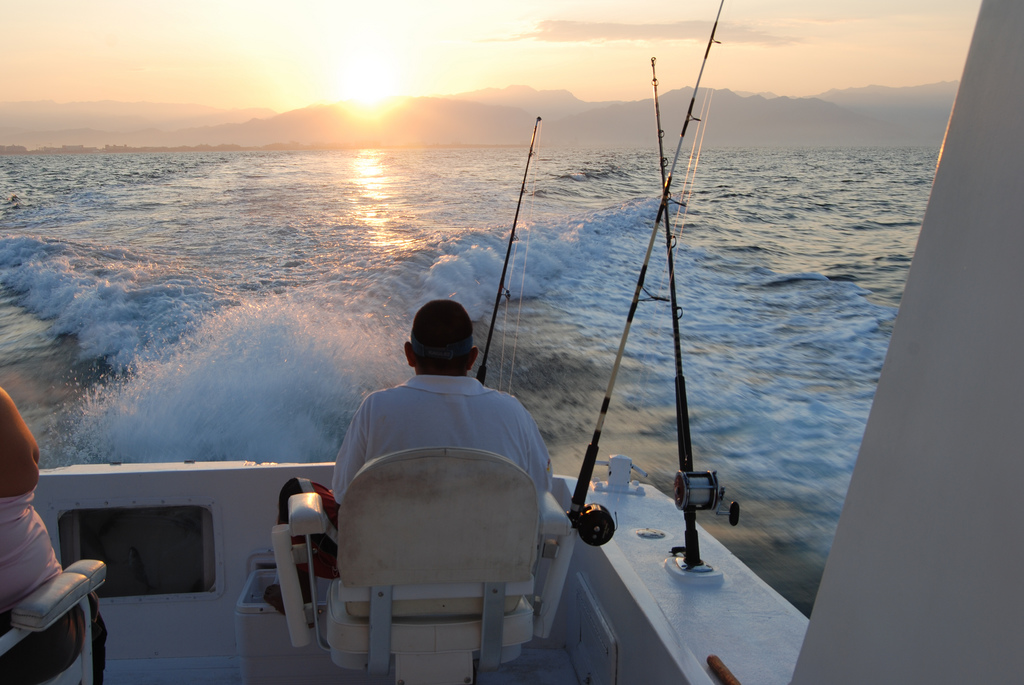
(558, 31)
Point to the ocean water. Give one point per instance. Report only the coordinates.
(214, 306)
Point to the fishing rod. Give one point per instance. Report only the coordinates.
(693, 490)
(662, 160)
(682, 412)
(594, 523)
(481, 374)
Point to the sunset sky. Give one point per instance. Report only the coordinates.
(257, 53)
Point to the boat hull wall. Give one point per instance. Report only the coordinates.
(922, 583)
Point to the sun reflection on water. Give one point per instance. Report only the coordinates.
(377, 204)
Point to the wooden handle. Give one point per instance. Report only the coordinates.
(721, 672)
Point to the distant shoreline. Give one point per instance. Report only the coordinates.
(5, 151)
(273, 147)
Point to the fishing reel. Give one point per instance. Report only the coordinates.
(700, 491)
(595, 525)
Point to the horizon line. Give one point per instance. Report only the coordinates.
(355, 102)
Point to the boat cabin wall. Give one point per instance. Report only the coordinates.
(180, 541)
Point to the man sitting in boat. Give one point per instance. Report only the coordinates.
(441, 406)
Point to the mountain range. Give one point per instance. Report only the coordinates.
(874, 115)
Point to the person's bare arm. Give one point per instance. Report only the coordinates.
(19, 453)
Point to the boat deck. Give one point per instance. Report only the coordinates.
(535, 667)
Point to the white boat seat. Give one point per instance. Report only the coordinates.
(437, 556)
(49, 602)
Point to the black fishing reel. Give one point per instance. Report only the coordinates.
(595, 525)
(700, 491)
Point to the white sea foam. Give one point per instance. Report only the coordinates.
(272, 381)
(119, 307)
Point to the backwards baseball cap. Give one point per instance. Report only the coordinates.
(459, 348)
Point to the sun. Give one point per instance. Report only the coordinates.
(367, 80)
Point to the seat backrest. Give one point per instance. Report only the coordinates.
(437, 515)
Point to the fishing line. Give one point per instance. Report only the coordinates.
(691, 171)
(686, 193)
(481, 373)
(522, 284)
(579, 497)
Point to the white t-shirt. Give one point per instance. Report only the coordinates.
(442, 411)
(26, 555)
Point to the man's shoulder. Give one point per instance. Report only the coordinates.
(386, 394)
(508, 404)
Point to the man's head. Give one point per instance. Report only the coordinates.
(441, 342)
